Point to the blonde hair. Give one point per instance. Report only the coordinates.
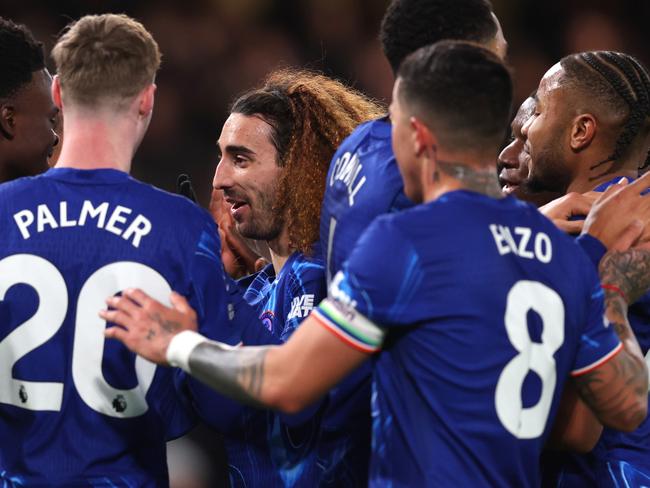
(105, 58)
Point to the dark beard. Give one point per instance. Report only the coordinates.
(266, 231)
(548, 174)
(268, 223)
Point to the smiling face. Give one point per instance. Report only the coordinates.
(248, 174)
(513, 163)
(547, 136)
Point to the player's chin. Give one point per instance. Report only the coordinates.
(246, 229)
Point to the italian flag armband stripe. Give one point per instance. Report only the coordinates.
(350, 326)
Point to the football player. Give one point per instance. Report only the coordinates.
(75, 410)
(479, 292)
(28, 116)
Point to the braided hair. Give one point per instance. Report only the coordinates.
(622, 84)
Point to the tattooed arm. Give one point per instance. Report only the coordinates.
(617, 391)
(288, 377)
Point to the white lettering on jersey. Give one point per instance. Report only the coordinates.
(301, 306)
(518, 242)
(89, 214)
(347, 169)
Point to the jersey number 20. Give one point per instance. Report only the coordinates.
(88, 348)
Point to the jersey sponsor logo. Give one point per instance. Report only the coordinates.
(521, 242)
(301, 306)
(44, 218)
(347, 169)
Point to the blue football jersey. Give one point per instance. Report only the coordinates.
(266, 448)
(619, 458)
(363, 182)
(285, 300)
(484, 308)
(75, 409)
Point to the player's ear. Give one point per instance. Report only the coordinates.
(421, 137)
(583, 131)
(56, 92)
(146, 100)
(7, 121)
(424, 141)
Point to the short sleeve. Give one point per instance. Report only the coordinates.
(598, 341)
(375, 289)
(383, 275)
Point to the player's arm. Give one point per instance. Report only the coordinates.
(617, 390)
(288, 377)
(576, 427)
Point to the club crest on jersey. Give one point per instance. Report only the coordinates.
(267, 319)
(347, 169)
(301, 306)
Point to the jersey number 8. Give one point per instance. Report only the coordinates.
(529, 422)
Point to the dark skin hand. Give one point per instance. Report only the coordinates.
(562, 209)
(620, 216)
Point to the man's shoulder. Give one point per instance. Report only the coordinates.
(371, 139)
(165, 200)
(19, 185)
(304, 268)
(379, 129)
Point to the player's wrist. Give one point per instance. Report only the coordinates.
(180, 348)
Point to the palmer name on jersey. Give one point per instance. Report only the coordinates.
(102, 216)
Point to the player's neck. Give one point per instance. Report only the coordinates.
(280, 250)
(452, 175)
(95, 143)
(591, 177)
(8, 172)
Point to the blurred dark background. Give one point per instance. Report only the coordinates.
(215, 49)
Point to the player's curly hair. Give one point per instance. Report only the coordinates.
(20, 56)
(411, 24)
(310, 115)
